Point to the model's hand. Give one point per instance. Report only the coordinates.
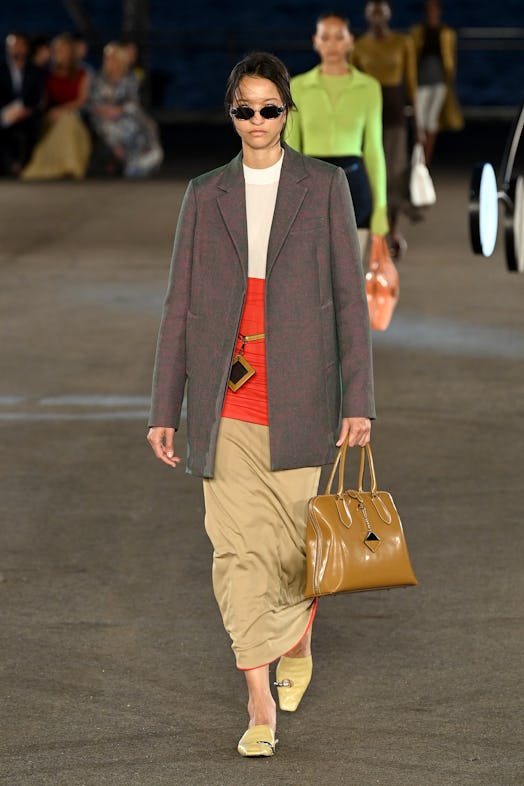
(162, 441)
(359, 430)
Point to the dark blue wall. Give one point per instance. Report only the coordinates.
(195, 44)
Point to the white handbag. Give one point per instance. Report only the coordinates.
(421, 188)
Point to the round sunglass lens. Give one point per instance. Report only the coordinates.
(243, 112)
(270, 112)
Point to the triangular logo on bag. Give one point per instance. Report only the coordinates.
(372, 541)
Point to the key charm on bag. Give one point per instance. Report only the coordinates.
(372, 540)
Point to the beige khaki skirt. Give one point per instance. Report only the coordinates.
(256, 521)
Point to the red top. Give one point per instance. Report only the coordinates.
(250, 401)
(63, 89)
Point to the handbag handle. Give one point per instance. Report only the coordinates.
(417, 155)
(340, 462)
(379, 251)
(366, 452)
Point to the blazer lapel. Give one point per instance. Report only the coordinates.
(232, 205)
(291, 193)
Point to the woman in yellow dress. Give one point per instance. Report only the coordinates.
(65, 147)
(390, 57)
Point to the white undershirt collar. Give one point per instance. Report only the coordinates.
(262, 177)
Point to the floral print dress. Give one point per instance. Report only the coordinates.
(133, 131)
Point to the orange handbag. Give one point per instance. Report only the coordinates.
(354, 538)
(382, 284)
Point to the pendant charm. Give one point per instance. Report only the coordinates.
(241, 371)
(372, 541)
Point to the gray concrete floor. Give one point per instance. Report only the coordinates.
(115, 666)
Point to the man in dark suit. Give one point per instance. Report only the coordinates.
(21, 94)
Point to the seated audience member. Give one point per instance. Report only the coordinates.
(41, 53)
(65, 147)
(117, 117)
(21, 90)
(133, 55)
(81, 51)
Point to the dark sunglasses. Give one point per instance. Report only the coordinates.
(269, 112)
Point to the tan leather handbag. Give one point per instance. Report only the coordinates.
(354, 539)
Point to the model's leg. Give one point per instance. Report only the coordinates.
(293, 674)
(397, 245)
(303, 648)
(429, 145)
(395, 151)
(259, 739)
(261, 705)
(437, 98)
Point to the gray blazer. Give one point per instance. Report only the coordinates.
(318, 345)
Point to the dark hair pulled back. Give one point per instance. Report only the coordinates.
(266, 66)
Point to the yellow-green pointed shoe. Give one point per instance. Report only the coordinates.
(258, 741)
(293, 677)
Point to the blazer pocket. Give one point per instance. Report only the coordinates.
(307, 227)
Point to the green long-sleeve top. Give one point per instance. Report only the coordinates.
(343, 120)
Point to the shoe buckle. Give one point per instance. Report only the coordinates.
(284, 684)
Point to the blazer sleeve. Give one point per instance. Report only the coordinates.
(169, 376)
(351, 309)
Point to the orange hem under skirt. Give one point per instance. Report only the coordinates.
(309, 625)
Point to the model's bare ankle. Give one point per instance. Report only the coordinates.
(262, 712)
(298, 652)
(302, 649)
(261, 705)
